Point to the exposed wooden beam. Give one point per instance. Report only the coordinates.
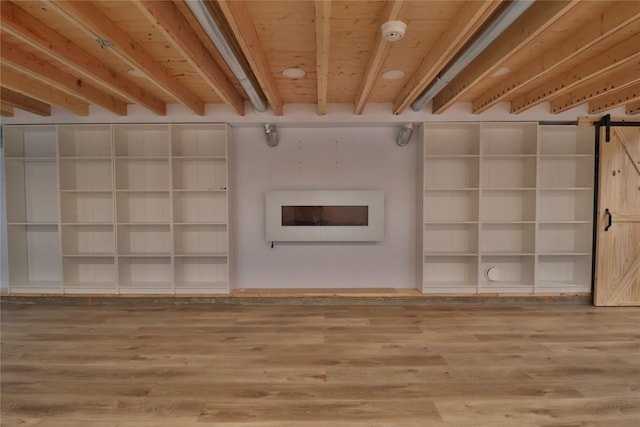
(539, 17)
(240, 22)
(392, 12)
(38, 69)
(38, 35)
(620, 78)
(633, 107)
(6, 110)
(33, 88)
(616, 98)
(24, 102)
(323, 31)
(87, 17)
(471, 17)
(613, 18)
(176, 29)
(617, 56)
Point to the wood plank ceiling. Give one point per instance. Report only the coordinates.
(74, 54)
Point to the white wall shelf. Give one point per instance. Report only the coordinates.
(513, 198)
(93, 208)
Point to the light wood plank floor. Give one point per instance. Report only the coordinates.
(232, 365)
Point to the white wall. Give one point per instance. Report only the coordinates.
(318, 159)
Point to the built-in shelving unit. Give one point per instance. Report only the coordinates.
(87, 206)
(129, 209)
(507, 208)
(33, 223)
(201, 208)
(564, 229)
(451, 205)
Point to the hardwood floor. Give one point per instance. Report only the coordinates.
(393, 365)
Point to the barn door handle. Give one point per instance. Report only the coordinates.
(608, 213)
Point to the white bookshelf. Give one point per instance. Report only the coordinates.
(451, 189)
(564, 229)
(33, 228)
(126, 208)
(200, 208)
(87, 207)
(143, 208)
(507, 208)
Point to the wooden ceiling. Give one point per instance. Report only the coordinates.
(72, 54)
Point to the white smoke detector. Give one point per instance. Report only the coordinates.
(393, 30)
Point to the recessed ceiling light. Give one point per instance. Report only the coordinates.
(136, 73)
(293, 73)
(393, 75)
(501, 72)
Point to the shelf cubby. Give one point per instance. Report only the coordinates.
(199, 174)
(84, 141)
(86, 274)
(447, 139)
(88, 240)
(499, 173)
(142, 173)
(194, 239)
(450, 239)
(566, 205)
(451, 206)
(507, 238)
(86, 207)
(516, 273)
(450, 274)
(144, 239)
(564, 238)
(567, 140)
(145, 274)
(450, 173)
(201, 274)
(508, 205)
(196, 140)
(509, 139)
(86, 174)
(34, 258)
(564, 273)
(143, 207)
(566, 172)
(200, 207)
(32, 191)
(141, 140)
(30, 141)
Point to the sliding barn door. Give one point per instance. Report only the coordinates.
(618, 246)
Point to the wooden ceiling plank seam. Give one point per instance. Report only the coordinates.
(41, 37)
(323, 34)
(605, 62)
(633, 107)
(33, 88)
(48, 73)
(539, 17)
(613, 18)
(239, 20)
(23, 102)
(471, 17)
(88, 18)
(393, 12)
(615, 98)
(615, 80)
(6, 110)
(177, 30)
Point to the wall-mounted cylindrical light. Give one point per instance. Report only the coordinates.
(271, 134)
(404, 134)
